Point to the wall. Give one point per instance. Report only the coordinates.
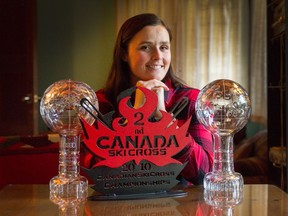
(75, 40)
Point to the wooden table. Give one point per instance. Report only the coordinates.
(34, 200)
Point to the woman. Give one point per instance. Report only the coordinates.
(142, 57)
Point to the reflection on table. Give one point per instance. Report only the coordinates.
(34, 200)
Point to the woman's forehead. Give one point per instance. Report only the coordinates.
(152, 33)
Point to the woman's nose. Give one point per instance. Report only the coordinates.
(156, 54)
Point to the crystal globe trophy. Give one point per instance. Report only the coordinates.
(61, 111)
(223, 107)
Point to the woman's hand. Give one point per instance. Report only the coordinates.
(158, 87)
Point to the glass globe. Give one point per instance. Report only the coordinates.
(223, 107)
(60, 105)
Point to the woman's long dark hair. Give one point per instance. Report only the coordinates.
(119, 76)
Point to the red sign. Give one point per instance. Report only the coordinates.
(134, 136)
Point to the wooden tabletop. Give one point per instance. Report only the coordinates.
(33, 200)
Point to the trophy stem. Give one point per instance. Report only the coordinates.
(69, 155)
(69, 186)
(223, 186)
(223, 154)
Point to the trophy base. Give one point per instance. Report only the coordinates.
(223, 189)
(68, 192)
(154, 195)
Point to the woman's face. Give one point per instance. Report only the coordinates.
(149, 54)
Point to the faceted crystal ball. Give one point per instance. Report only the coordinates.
(223, 107)
(60, 105)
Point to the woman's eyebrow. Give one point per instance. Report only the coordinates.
(150, 42)
(165, 42)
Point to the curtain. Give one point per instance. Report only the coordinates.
(258, 62)
(211, 40)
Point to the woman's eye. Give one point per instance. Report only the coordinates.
(145, 47)
(164, 47)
